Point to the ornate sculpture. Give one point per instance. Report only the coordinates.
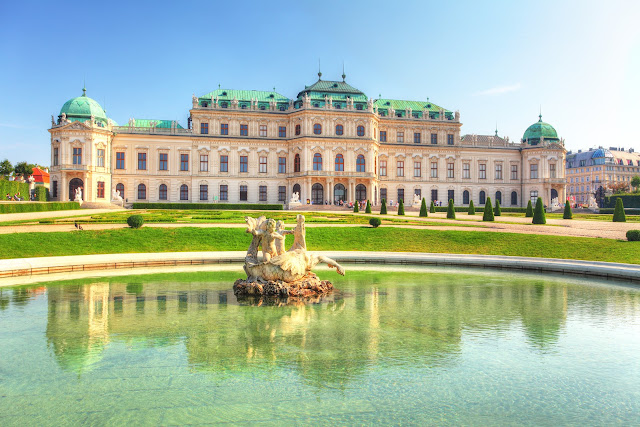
(116, 197)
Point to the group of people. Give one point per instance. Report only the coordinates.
(16, 197)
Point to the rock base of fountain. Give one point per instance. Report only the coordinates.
(308, 286)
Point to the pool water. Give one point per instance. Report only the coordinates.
(415, 346)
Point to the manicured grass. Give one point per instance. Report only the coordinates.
(322, 238)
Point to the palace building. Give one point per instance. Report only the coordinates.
(330, 143)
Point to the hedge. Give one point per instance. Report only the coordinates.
(629, 200)
(209, 206)
(633, 235)
(16, 207)
(618, 213)
(479, 209)
(627, 211)
(13, 187)
(41, 194)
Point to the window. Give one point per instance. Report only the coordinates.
(360, 163)
(101, 158)
(483, 198)
(282, 131)
(296, 163)
(383, 168)
(162, 192)
(204, 128)
(400, 168)
(163, 164)
(243, 193)
(400, 137)
(339, 163)
(100, 192)
(317, 129)
(383, 136)
(282, 193)
(55, 156)
(400, 194)
(552, 171)
(417, 169)
(434, 169)
(184, 192)
(244, 164)
(244, 130)
(263, 164)
(360, 130)
(383, 195)
(54, 189)
(224, 129)
(465, 197)
(434, 138)
(514, 198)
(224, 192)
(499, 171)
(120, 160)
(77, 156)
(263, 130)
(450, 195)
(361, 192)
(514, 172)
(317, 162)
(224, 163)
(450, 170)
(184, 162)
(142, 192)
(434, 195)
(482, 171)
(297, 129)
(282, 165)
(262, 193)
(358, 106)
(466, 170)
(204, 192)
(339, 130)
(204, 163)
(120, 190)
(499, 196)
(534, 197)
(417, 137)
(142, 161)
(534, 171)
(450, 139)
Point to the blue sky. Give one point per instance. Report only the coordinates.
(496, 62)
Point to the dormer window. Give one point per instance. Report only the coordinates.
(271, 96)
(282, 108)
(205, 104)
(316, 105)
(262, 107)
(243, 106)
(358, 106)
(224, 105)
(338, 106)
(224, 93)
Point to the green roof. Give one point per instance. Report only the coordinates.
(82, 108)
(538, 130)
(244, 95)
(340, 89)
(416, 107)
(146, 123)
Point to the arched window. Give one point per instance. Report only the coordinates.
(499, 196)
(339, 193)
(317, 162)
(296, 162)
(317, 194)
(162, 192)
(514, 198)
(297, 129)
(465, 197)
(360, 163)
(339, 130)
(120, 190)
(317, 128)
(184, 192)
(360, 130)
(483, 198)
(339, 163)
(361, 192)
(142, 192)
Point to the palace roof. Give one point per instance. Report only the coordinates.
(147, 123)
(82, 108)
(244, 96)
(400, 106)
(539, 130)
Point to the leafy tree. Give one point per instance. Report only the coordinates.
(529, 213)
(618, 212)
(635, 182)
(539, 216)
(423, 208)
(432, 208)
(451, 211)
(368, 208)
(497, 210)
(619, 187)
(567, 211)
(383, 208)
(472, 210)
(23, 168)
(6, 167)
(488, 211)
(401, 208)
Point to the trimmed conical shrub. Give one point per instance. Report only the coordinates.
(567, 211)
(497, 211)
(488, 211)
(423, 208)
(472, 210)
(401, 208)
(539, 216)
(618, 212)
(368, 209)
(451, 212)
(432, 207)
(529, 213)
(355, 207)
(383, 208)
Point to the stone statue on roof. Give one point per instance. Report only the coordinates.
(194, 100)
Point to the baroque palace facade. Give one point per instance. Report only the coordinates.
(330, 143)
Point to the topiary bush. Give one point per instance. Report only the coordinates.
(383, 208)
(135, 221)
(633, 235)
(375, 222)
(567, 211)
(539, 216)
(423, 208)
(529, 212)
(618, 213)
(497, 211)
(472, 210)
(401, 208)
(432, 207)
(487, 215)
(451, 212)
(355, 207)
(368, 208)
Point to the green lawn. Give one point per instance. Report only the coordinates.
(321, 238)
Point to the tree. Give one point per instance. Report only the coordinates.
(472, 210)
(635, 182)
(529, 213)
(6, 167)
(497, 210)
(619, 187)
(539, 216)
(24, 169)
(567, 211)
(600, 195)
(423, 208)
(356, 209)
(383, 208)
(432, 207)
(368, 208)
(401, 208)
(618, 212)
(451, 211)
(488, 211)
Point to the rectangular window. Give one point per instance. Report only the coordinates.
(164, 163)
(224, 163)
(204, 128)
(400, 194)
(534, 171)
(282, 193)
(450, 195)
(204, 163)
(204, 192)
(282, 131)
(54, 189)
(434, 138)
(434, 195)
(244, 164)
(224, 192)
(120, 160)
(466, 170)
(400, 168)
(417, 169)
(282, 165)
(184, 162)
(100, 192)
(534, 197)
(514, 172)
(263, 130)
(552, 170)
(434, 169)
(383, 136)
(450, 170)
(142, 161)
(77, 156)
(383, 195)
(383, 168)
(400, 137)
(417, 137)
(482, 171)
(262, 193)
(224, 129)
(55, 157)
(450, 139)
(244, 130)
(263, 164)
(100, 162)
(499, 171)
(243, 193)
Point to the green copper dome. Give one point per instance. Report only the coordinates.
(82, 108)
(538, 130)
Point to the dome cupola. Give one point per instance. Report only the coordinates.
(540, 130)
(82, 108)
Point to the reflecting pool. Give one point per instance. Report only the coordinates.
(410, 346)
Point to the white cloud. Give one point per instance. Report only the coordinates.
(499, 90)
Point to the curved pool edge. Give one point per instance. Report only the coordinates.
(22, 267)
